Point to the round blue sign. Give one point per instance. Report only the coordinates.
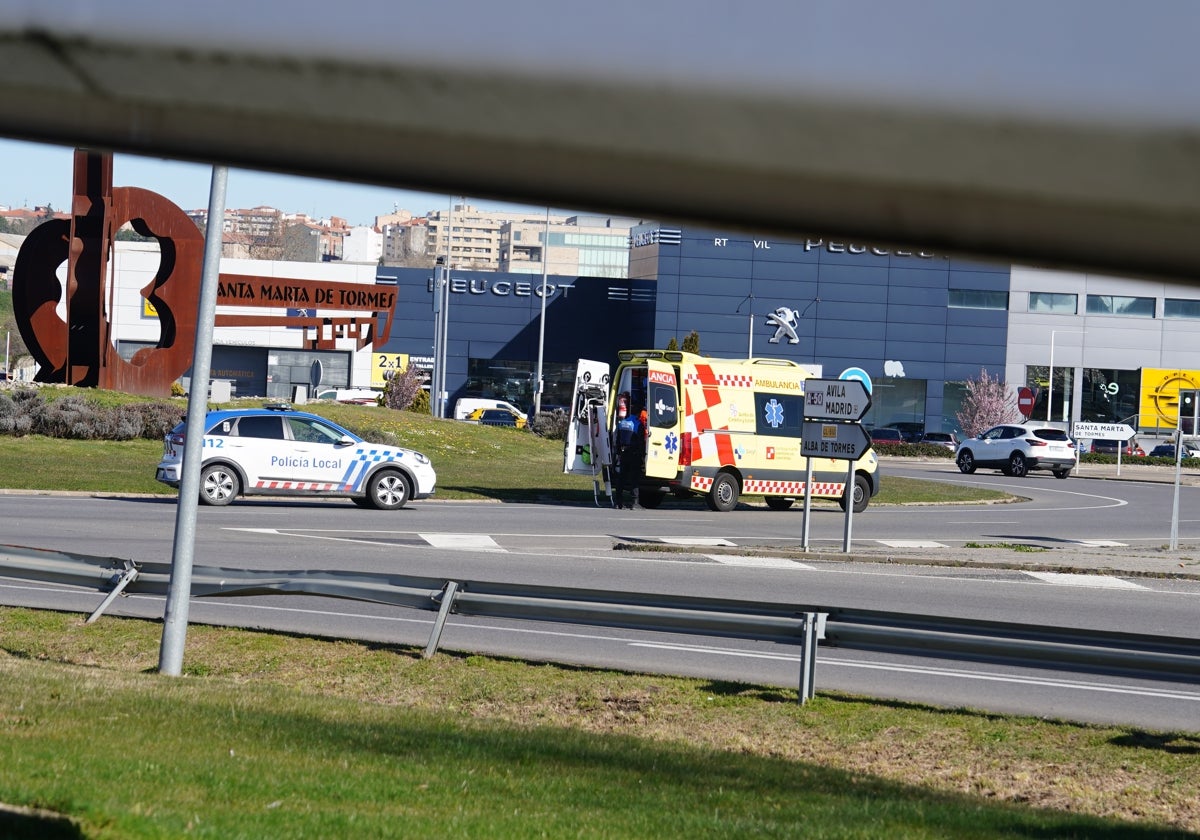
(859, 374)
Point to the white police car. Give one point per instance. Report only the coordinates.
(276, 451)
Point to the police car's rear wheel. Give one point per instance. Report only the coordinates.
(388, 490)
(724, 493)
(779, 502)
(219, 485)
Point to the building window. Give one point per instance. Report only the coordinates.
(1178, 308)
(1058, 303)
(1136, 307)
(978, 299)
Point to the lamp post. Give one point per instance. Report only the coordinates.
(537, 386)
(750, 336)
(1050, 378)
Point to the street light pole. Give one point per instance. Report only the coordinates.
(750, 332)
(537, 386)
(1050, 378)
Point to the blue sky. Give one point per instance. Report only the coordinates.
(34, 173)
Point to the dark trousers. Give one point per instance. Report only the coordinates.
(629, 474)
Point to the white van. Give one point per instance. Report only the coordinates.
(355, 396)
(466, 405)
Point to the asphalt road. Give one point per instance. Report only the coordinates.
(574, 546)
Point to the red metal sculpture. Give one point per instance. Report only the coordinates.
(80, 348)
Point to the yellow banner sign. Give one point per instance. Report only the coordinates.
(383, 365)
(1160, 395)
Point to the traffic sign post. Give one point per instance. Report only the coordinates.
(835, 399)
(843, 441)
(841, 403)
(1103, 431)
(1025, 398)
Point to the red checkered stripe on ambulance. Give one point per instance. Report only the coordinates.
(792, 488)
(709, 416)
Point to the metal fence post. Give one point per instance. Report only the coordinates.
(808, 658)
(447, 606)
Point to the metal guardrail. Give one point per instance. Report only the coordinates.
(1086, 651)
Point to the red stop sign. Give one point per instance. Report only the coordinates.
(1025, 401)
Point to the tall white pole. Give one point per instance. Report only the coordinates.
(537, 393)
(179, 588)
(441, 383)
(1050, 378)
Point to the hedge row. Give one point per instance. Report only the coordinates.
(26, 412)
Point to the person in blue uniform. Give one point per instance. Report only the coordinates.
(631, 453)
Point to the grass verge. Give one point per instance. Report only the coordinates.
(472, 461)
(272, 735)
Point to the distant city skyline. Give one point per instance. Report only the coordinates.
(34, 174)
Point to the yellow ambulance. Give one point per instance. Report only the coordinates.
(720, 428)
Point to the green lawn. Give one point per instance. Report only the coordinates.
(270, 735)
(472, 461)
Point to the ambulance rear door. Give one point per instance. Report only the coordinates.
(586, 449)
(662, 420)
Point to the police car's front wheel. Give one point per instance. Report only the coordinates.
(388, 490)
(219, 485)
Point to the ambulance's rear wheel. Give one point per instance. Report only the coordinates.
(650, 499)
(723, 495)
(862, 494)
(779, 502)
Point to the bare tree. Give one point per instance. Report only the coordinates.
(988, 402)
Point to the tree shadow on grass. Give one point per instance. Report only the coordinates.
(30, 824)
(1176, 743)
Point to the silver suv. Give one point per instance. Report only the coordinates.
(1017, 449)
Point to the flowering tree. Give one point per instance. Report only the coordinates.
(402, 389)
(988, 402)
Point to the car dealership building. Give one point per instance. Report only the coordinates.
(919, 324)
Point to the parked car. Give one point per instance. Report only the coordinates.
(886, 437)
(1111, 447)
(496, 417)
(1017, 449)
(1191, 449)
(947, 440)
(911, 432)
(276, 451)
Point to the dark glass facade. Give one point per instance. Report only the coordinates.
(494, 329)
(839, 305)
(916, 323)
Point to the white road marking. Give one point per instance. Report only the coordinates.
(911, 544)
(760, 562)
(474, 542)
(1102, 543)
(1093, 581)
(710, 541)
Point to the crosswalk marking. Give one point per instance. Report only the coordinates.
(474, 542)
(911, 544)
(1094, 581)
(758, 562)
